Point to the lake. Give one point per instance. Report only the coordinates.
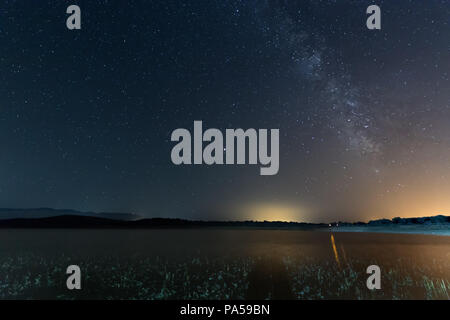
(221, 264)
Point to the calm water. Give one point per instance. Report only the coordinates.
(218, 263)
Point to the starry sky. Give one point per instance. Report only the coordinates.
(364, 115)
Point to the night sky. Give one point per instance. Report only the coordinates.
(364, 115)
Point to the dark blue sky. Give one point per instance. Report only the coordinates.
(364, 116)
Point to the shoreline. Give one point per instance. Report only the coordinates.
(426, 230)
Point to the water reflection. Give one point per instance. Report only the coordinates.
(336, 255)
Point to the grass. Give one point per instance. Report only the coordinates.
(30, 276)
(35, 277)
(315, 279)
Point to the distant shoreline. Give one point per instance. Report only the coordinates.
(87, 222)
(90, 223)
(45, 218)
(437, 230)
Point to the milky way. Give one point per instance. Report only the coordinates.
(364, 115)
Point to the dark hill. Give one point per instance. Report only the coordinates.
(34, 213)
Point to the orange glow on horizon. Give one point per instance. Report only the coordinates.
(272, 212)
